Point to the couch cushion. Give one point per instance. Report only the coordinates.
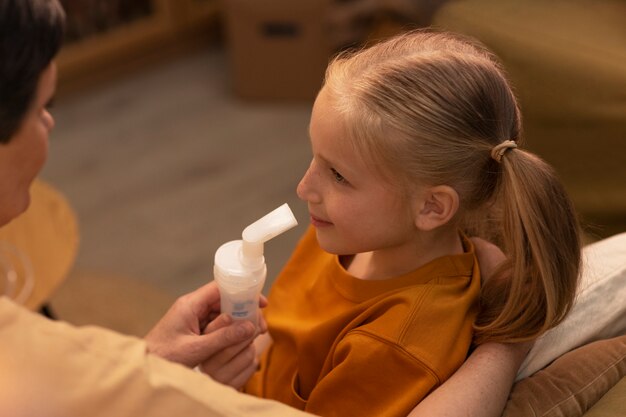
(599, 311)
(613, 404)
(572, 384)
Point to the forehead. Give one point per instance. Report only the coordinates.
(331, 132)
(324, 116)
(354, 159)
(327, 130)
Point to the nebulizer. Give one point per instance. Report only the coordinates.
(240, 268)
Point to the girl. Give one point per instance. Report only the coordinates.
(415, 143)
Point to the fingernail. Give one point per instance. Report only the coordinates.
(244, 330)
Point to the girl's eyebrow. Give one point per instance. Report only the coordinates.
(325, 160)
(342, 168)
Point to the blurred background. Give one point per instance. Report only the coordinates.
(179, 122)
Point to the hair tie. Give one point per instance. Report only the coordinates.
(500, 149)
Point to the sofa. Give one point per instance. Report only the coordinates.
(567, 62)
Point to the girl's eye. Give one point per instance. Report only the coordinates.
(338, 177)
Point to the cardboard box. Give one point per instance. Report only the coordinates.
(279, 49)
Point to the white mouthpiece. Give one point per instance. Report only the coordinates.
(264, 229)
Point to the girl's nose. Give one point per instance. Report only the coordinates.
(306, 189)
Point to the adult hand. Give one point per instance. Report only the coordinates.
(490, 257)
(193, 332)
(233, 365)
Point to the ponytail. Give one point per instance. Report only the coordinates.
(541, 239)
(436, 108)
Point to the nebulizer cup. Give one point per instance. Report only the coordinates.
(240, 268)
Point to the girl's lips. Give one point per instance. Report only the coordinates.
(317, 222)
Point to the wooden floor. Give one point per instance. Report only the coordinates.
(162, 167)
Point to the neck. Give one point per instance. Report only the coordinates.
(395, 261)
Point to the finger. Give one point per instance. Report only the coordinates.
(218, 361)
(489, 256)
(204, 322)
(211, 344)
(221, 321)
(229, 371)
(262, 301)
(262, 324)
(240, 379)
(262, 343)
(203, 300)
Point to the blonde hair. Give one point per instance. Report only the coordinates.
(430, 107)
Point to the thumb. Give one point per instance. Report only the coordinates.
(202, 300)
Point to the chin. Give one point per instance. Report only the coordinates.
(331, 245)
(6, 219)
(19, 207)
(324, 242)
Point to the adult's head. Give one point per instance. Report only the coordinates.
(31, 32)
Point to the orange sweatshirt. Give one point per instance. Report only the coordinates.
(345, 346)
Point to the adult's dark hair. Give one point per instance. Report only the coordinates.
(31, 33)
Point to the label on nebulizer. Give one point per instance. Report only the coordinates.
(240, 305)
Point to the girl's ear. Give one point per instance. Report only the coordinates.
(436, 207)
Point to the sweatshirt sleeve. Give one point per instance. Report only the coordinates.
(54, 369)
(371, 376)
